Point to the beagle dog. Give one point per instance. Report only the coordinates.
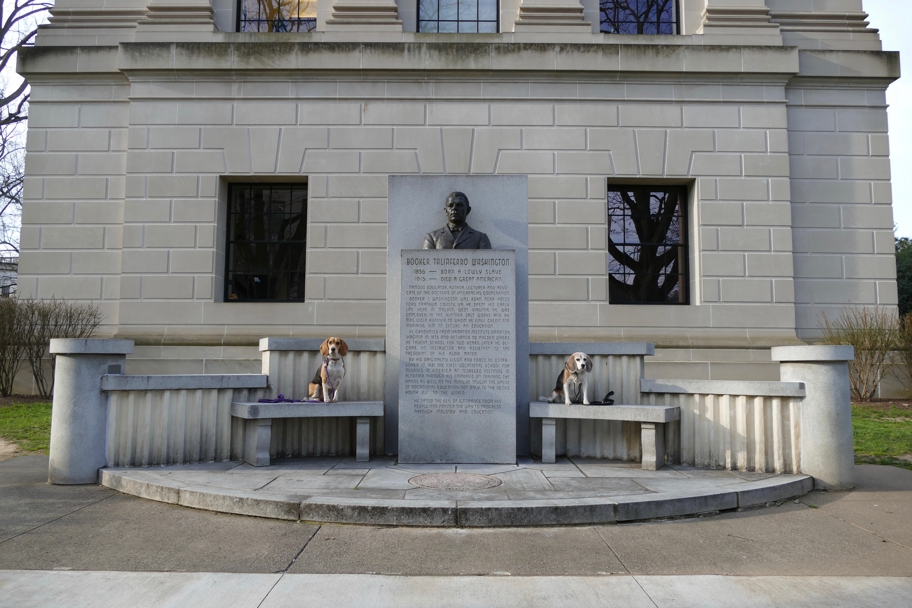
(328, 379)
(572, 381)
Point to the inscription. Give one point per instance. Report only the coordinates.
(457, 335)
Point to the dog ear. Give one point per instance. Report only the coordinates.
(588, 363)
(570, 365)
(343, 347)
(324, 348)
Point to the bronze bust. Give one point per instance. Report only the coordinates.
(456, 234)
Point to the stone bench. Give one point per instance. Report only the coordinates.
(259, 416)
(652, 419)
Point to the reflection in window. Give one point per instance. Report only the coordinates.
(638, 16)
(277, 15)
(647, 244)
(457, 16)
(267, 241)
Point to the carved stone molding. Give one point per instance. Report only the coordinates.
(789, 21)
(731, 18)
(70, 18)
(178, 15)
(552, 16)
(365, 15)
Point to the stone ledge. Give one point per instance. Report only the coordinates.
(183, 382)
(592, 348)
(254, 411)
(745, 388)
(784, 354)
(89, 346)
(313, 344)
(632, 413)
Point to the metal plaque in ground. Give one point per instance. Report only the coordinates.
(455, 481)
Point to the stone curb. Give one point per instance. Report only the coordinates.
(445, 513)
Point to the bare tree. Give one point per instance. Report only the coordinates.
(49, 319)
(19, 20)
(637, 16)
(278, 15)
(11, 174)
(874, 332)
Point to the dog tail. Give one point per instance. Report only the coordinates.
(544, 399)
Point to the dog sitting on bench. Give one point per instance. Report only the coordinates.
(573, 381)
(328, 379)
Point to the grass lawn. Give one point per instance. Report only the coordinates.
(26, 424)
(883, 433)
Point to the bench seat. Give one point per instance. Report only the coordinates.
(652, 419)
(259, 416)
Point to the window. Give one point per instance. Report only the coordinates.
(457, 16)
(638, 16)
(267, 242)
(647, 245)
(277, 15)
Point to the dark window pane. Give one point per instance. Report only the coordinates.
(638, 16)
(267, 238)
(646, 242)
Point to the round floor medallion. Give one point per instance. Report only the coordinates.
(455, 481)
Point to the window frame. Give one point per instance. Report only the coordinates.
(684, 244)
(418, 21)
(229, 239)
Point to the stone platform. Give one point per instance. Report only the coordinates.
(382, 492)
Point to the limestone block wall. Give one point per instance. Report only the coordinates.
(130, 158)
(72, 217)
(841, 196)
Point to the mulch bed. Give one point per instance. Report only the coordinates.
(23, 399)
(885, 405)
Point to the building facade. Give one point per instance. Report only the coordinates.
(708, 175)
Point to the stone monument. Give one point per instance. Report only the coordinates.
(445, 378)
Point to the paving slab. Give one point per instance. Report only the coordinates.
(881, 502)
(788, 540)
(455, 551)
(137, 590)
(27, 501)
(127, 533)
(771, 592)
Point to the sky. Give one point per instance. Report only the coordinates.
(892, 18)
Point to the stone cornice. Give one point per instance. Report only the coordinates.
(611, 61)
(461, 57)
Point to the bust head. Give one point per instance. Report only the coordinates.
(457, 209)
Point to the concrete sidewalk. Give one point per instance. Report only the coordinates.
(864, 533)
(40, 589)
